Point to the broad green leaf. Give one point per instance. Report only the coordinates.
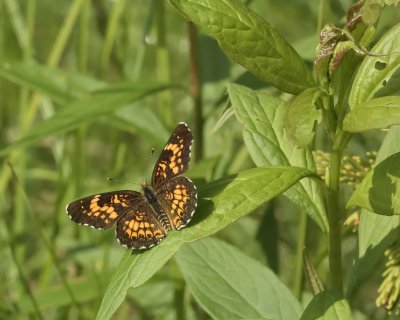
(222, 203)
(245, 289)
(327, 305)
(263, 117)
(378, 75)
(301, 117)
(379, 191)
(79, 112)
(374, 114)
(250, 41)
(375, 232)
(57, 84)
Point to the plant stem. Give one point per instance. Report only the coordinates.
(195, 89)
(163, 65)
(298, 271)
(335, 250)
(111, 33)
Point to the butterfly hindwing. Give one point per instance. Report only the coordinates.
(100, 211)
(175, 157)
(139, 229)
(178, 198)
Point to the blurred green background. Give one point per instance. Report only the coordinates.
(114, 79)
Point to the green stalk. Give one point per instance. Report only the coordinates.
(141, 48)
(112, 26)
(65, 32)
(335, 250)
(323, 4)
(48, 245)
(298, 269)
(9, 234)
(196, 90)
(179, 299)
(83, 42)
(163, 67)
(24, 280)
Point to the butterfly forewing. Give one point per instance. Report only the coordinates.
(175, 157)
(100, 211)
(178, 198)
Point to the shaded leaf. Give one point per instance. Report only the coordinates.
(246, 289)
(59, 85)
(312, 275)
(375, 232)
(379, 191)
(327, 305)
(250, 41)
(79, 112)
(301, 117)
(222, 202)
(263, 117)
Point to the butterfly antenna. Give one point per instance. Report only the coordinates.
(123, 181)
(113, 179)
(148, 166)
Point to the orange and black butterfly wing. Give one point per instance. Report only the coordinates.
(175, 157)
(178, 199)
(138, 228)
(100, 211)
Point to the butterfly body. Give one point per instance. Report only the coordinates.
(144, 218)
(158, 211)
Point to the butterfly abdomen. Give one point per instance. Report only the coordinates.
(157, 209)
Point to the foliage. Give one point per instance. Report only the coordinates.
(88, 88)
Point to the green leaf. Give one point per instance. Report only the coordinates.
(245, 289)
(327, 305)
(81, 111)
(222, 203)
(373, 114)
(378, 75)
(375, 232)
(57, 84)
(250, 41)
(371, 13)
(312, 276)
(379, 191)
(263, 118)
(382, 2)
(301, 117)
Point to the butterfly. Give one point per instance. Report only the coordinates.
(144, 218)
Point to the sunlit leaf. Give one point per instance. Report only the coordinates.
(263, 117)
(250, 41)
(222, 202)
(246, 290)
(378, 74)
(374, 114)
